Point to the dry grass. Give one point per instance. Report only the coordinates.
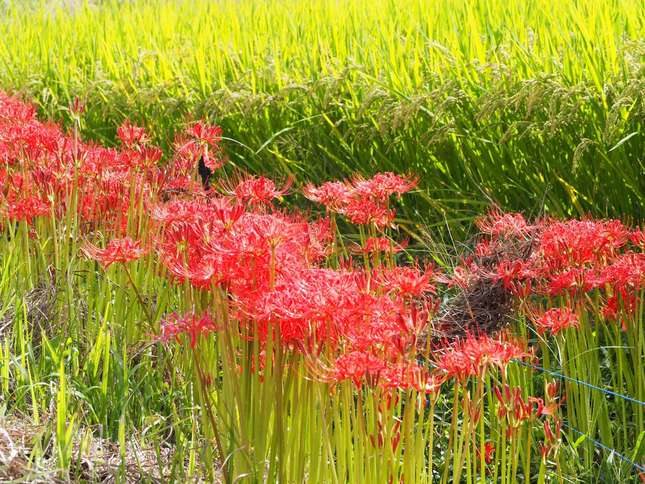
(26, 456)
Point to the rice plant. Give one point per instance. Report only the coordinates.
(531, 107)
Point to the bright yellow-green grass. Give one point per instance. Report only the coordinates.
(206, 43)
(536, 105)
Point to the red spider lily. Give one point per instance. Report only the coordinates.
(552, 389)
(414, 317)
(77, 107)
(379, 245)
(551, 437)
(312, 303)
(410, 375)
(248, 252)
(568, 281)
(356, 366)
(549, 434)
(471, 357)
(625, 271)
(489, 452)
(619, 305)
(132, 136)
(362, 201)
(205, 133)
(386, 324)
(320, 239)
(513, 272)
(116, 251)
(259, 190)
(189, 212)
(43, 162)
(556, 320)
(383, 185)
(544, 451)
(334, 195)
(406, 281)
(186, 154)
(214, 213)
(200, 141)
(28, 208)
(364, 211)
(483, 248)
(195, 326)
(461, 276)
(637, 237)
(579, 242)
(542, 409)
(496, 223)
(514, 407)
(14, 110)
(206, 143)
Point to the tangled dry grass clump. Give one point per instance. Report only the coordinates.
(39, 304)
(27, 456)
(480, 302)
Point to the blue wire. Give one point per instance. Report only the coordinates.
(580, 382)
(599, 444)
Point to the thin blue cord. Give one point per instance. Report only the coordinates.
(580, 382)
(599, 444)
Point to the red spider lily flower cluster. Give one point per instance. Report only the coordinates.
(279, 273)
(556, 320)
(554, 258)
(47, 171)
(474, 356)
(200, 140)
(362, 201)
(192, 325)
(116, 251)
(272, 265)
(361, 367)
(406, 280)
(259, 190)
(514, 409)
(132, 136)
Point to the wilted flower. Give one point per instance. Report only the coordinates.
(190, 324)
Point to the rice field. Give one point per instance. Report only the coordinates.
(513, 102)
(333, 241)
